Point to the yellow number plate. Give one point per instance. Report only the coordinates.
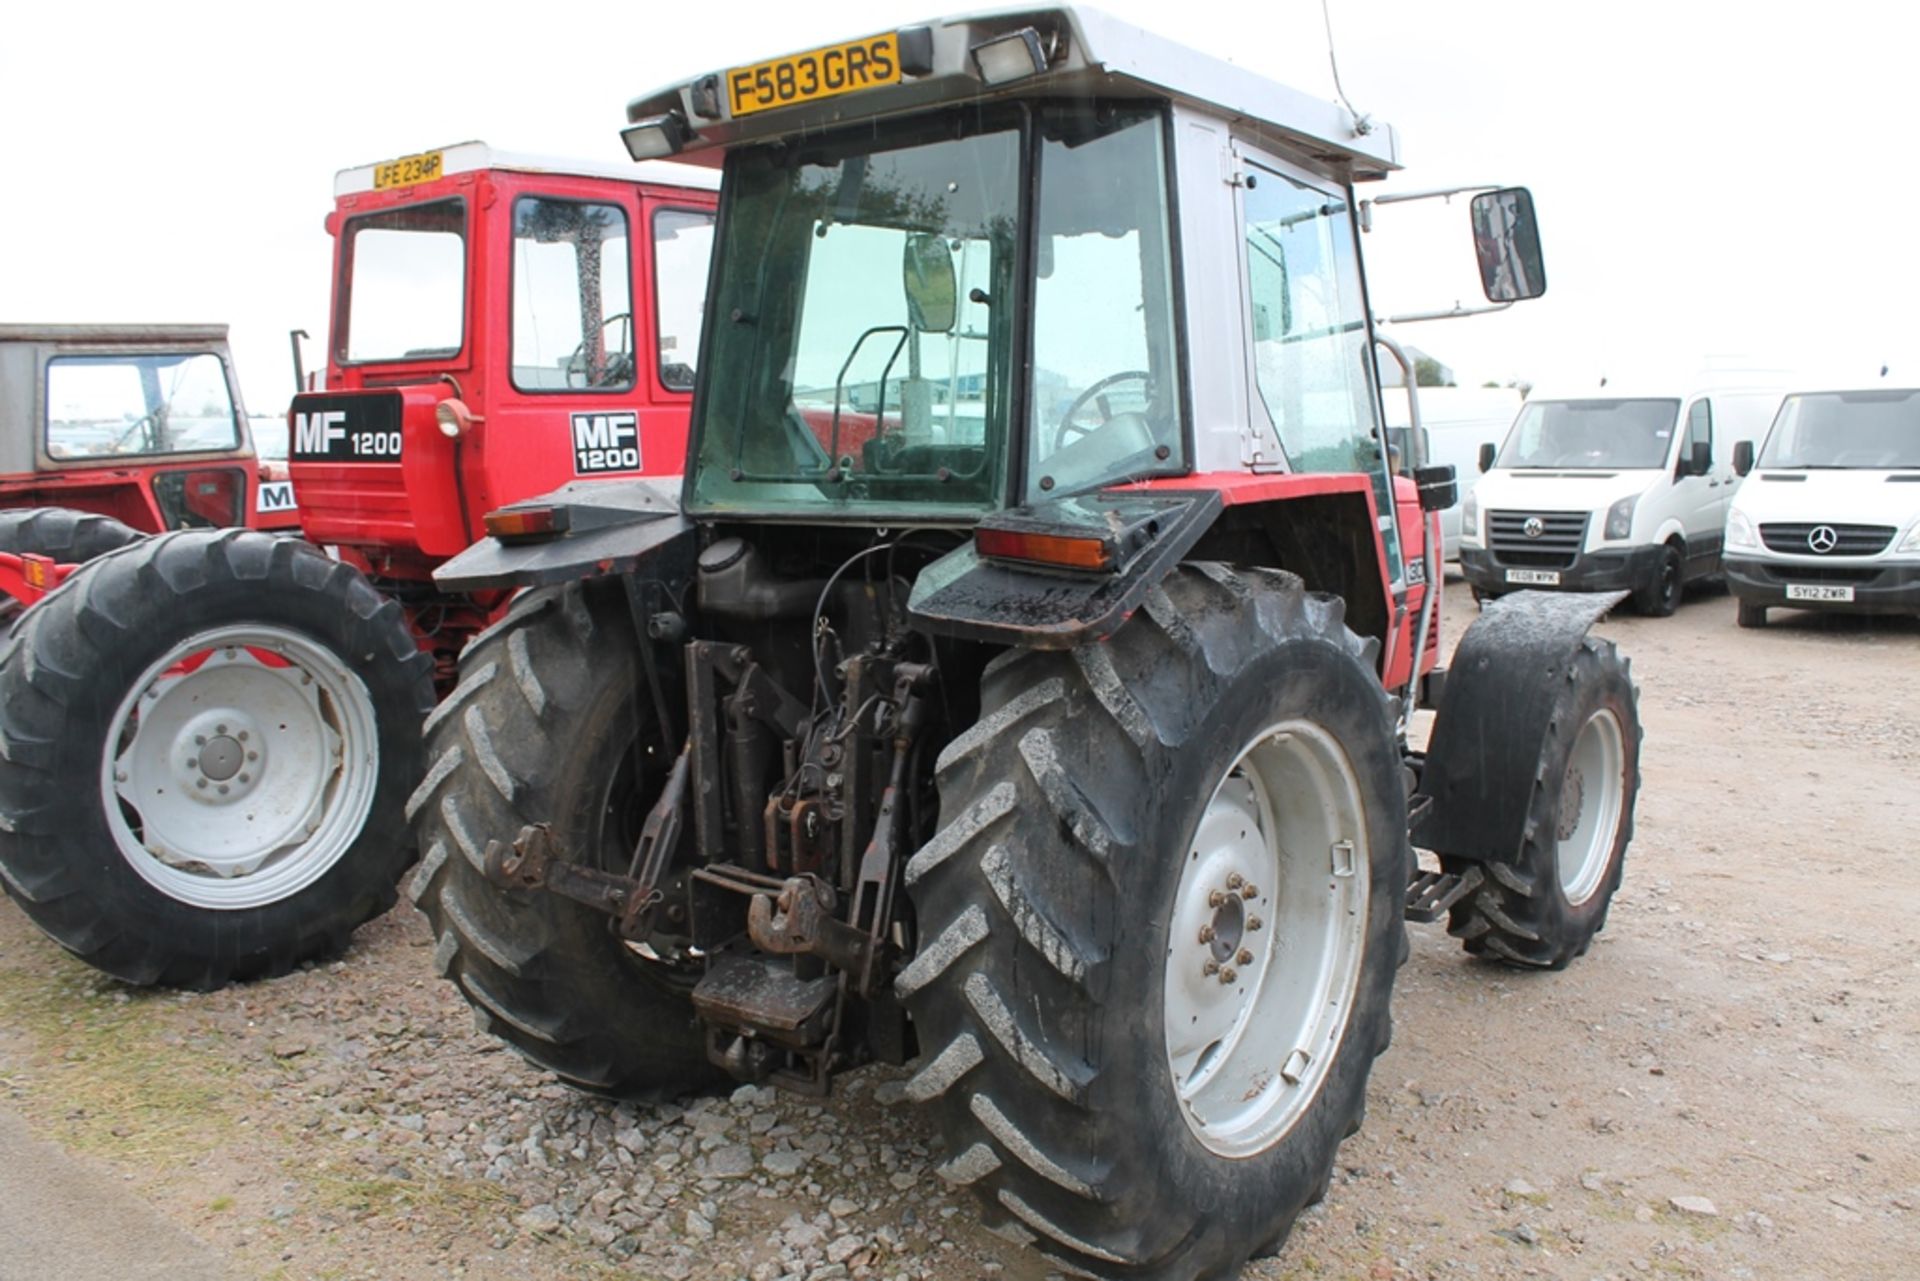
(407, 171)
(822, 73)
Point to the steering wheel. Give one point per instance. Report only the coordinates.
(1069, 431)
(618, 370)
(150, 423)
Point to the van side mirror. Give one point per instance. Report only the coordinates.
(926, 273)
(1742, 457)
(1486, 456)
(1506, 238)
(1700, 458)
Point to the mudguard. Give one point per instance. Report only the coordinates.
(613, 527)
(967, 595)
(1484, 753)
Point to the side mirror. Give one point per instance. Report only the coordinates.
(1742, 457)
(1486, 456)
(926, 272)
(1438, 488)
(1507, 240)
(1700, 458)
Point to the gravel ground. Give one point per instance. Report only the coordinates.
(1723, 1088)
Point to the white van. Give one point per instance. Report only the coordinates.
(1608, 491)
(1456, 421)
(1829, 517)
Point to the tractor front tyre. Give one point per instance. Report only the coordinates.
(1159, 926)
(61, 534)
(209, 738)
(545, 726)
(1542, 909)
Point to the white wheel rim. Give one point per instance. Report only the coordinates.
(1266, 939)
(240, 767)
(1590, 806)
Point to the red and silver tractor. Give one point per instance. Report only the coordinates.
(210, 736)
(1018, 682)
(112, 432)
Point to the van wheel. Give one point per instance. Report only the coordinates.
(1748, 614)
(1660, 596)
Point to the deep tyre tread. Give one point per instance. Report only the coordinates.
(65, 669)
(1042, 922)
(68, 536)
(1520, 915)
(535, 732)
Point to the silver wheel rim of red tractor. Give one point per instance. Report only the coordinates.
(1266, 940)
(240, 768)
(1590, 806)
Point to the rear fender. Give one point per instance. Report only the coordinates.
(611, 527)
(1004, 602)
(1483, 757)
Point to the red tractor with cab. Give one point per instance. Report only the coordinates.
(112, 432)
(211, 735)
(1019, 682)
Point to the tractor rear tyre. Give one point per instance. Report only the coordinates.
(1159, 926)
(543, 728)
(209, 738)
(61, 534)
(1543, 909)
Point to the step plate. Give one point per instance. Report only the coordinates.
(1430, 894)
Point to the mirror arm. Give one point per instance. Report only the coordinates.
(1458, 310)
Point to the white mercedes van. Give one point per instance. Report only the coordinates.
(1599, 492)
(1828, 516)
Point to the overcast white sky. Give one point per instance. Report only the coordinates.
(1713, 179)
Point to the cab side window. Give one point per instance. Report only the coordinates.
(1699, 434)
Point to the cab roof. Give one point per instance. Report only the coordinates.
(468, 157)
(134, 335)
(1087, 52)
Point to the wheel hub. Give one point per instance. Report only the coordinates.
(241, 767)
(1264, 940)
(217, 754)
(1573, 797)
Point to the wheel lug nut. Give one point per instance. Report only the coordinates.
(245, 778)
(201, 784)
(1245, 957)
(1250, 891)
(1229, 974)
(199, 740)
(119, 776)
(1235, 880)
(1206, 934)
(1216, 899)
(224, 789)
(219, 729)
(253, 756)
(1210, 968)
(1254, 922)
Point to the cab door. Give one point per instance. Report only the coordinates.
(567, 392)
(673, 292)
(1700, 497)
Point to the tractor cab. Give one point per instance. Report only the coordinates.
(988, 264)
(501, 324)
(140, 423)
